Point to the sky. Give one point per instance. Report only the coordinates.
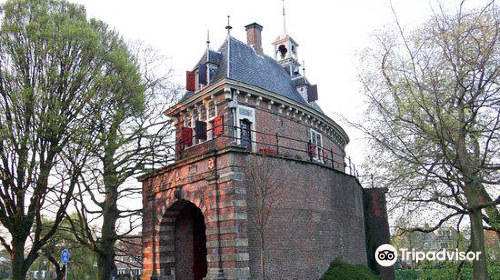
(330, 34)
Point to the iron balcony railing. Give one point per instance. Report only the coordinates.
(270, 144)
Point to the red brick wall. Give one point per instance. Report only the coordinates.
(318, 219)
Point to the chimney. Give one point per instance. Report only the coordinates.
(254, 37)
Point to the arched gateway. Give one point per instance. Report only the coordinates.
(183, 239)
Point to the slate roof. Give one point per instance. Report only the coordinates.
(246, 66)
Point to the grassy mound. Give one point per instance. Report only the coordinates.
(342, 271)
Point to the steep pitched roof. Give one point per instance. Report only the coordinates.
(238, 61)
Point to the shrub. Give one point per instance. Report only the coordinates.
(342, 271)
(442, 274)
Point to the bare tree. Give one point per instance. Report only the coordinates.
(434, 119)
(265, 184)
(131, 132)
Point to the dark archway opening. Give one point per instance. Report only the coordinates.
(190, 243)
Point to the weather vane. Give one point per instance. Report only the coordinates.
(208, 39)
(228, 27)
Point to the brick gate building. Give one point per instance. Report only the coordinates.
(242, 107)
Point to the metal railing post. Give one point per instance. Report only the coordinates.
(350, 165)
(277, 144)
(309, 148)
(333, 161)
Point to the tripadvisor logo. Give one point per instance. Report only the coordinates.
(386, 255)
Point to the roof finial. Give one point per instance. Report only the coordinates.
(208, 39)
(228, 27)
(303, 68)
(284, 18)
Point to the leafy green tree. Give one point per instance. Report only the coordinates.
(81, 265)
(54, 64)
(434, 119)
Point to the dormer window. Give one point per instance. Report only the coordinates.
(212, 70)
(197, 79)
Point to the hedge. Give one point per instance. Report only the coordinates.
(442, 274)
(339, 270)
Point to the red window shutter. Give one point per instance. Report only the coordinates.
(187, 136)
(178, 135)
(312, 150)
(218, 126)
(312, 93)
(190, 81)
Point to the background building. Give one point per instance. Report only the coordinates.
(128, 258)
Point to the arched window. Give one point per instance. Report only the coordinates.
(282, 50)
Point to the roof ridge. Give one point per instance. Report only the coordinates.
(228, 55)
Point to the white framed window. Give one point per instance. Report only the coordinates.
(246, 132)
(186, 120)
(194, 118)
(317, 142)
(212, 113)
(212, 109)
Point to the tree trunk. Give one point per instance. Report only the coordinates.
(106, 267)
(59, 270)
(472, 193)
(261, 255)
(18, 267)
(106, 261)
(477, 242)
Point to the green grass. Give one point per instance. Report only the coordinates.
(442, 274)
(342, 271)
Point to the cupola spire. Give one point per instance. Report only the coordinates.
(284, 18)
(285, 50)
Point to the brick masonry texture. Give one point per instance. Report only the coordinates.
(319, 218)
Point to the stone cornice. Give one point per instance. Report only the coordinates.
(277, 100)
(281, 100)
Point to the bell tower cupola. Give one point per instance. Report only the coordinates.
(285, 50)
